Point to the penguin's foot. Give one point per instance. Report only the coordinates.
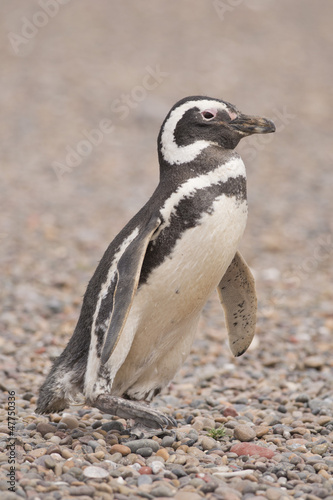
(125, 408)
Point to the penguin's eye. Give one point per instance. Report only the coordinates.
(209, 114)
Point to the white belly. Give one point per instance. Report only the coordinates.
(159, 331)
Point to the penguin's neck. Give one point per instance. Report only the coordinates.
(208, 160)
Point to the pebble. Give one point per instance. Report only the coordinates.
(142, 443)
(252, 449)
(167, 441)
(46, 428)
(156, 467)
(114, 425)
(95, 472)
(50, 463)
(145, 470)
(244, 432)
(38, 452)
(144, 452)
(208, 443)
(320, 449)
(313, 362)
(120, 448)
(81, 491)
(70, 421)
(163, 490)
(144, 479)
(163, 453)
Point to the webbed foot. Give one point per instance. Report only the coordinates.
(125, 408)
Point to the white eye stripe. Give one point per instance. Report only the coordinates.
(175, 154)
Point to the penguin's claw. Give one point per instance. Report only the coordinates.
(125, 408)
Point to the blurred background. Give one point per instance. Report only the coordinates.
(84, 89)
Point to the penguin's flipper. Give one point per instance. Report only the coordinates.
(128, 274)
(238, 296)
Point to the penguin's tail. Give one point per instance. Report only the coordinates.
(61, 388)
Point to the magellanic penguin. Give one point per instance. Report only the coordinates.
(142, 305)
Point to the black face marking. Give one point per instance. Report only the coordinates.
(195, 126)
(104, 315)
(186, 215)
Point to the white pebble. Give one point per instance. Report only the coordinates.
(95, 472)
(156, 467)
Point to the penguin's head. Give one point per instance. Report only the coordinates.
(196, 122)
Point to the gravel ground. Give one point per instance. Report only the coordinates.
(255, 427)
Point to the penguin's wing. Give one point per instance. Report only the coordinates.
(239, 300)
(127, 280)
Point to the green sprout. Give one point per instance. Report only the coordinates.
(216, 433)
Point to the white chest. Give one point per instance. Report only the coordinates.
(199, 259)
(162, 322)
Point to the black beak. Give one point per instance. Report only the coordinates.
(248, 125)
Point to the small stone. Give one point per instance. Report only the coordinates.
(168, 441)
(313, 362)
(208, 443)
(163, 453)
(145, 470)
(319, 449)
(252, 449)
(244, 432)
(46, 428)
(144, 452)
(261, 430)
(116, 457)
(197, 482)
(324, 419)
(82, 490)
(178, 471)
(230, 412)
(95, 472)
(195, 452)
(272, 419)
(27, 396)
(144, 479)
(142, 443)
(70, 421)
(3, 457)
(120, 448)
(150, 460)
(66, 453)
(226, 493)
(50, 463)
(156, 467)
(274, 493)
(325, 474)
(114, 425)
(38, 452)
(162, 490)
(302, 398)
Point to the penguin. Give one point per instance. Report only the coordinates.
(142, 306)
